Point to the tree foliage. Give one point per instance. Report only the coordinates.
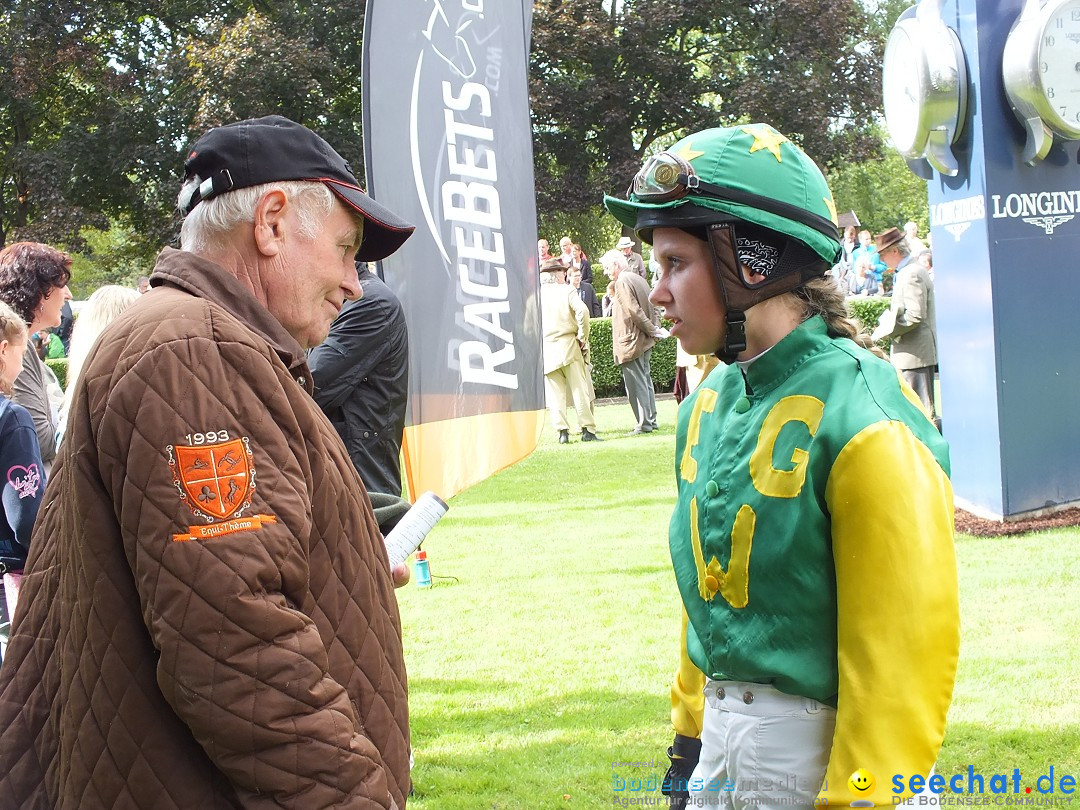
(100, 99)
(612, 82)
(883, 192)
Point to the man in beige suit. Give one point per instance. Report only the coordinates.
(566, 335)
(635, 328)
(910, 322)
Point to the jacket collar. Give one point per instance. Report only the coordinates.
(777, 364)
(205, 279)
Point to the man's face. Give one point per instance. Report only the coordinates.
(564, 245)
(688, 290)
(627, 250)
(542, 247)
(864, 238)
(307, 287)
(891, 256)
(575, 278)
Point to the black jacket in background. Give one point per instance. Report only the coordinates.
(588, 296)
(361, 374)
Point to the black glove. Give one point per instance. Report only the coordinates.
(683, 753)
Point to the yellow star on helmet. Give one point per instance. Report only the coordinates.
(765, 137)
(687, 152)
(832, 209)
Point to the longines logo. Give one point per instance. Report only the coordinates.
(1041, 209)
(957, 229)
(1047, 223)
(956, 216)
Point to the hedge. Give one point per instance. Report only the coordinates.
(607, 377)
(867, 310)
(59, 368)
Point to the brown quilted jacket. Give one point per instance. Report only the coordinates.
(259, 666)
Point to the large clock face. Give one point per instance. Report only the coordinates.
(903, 90)
(1059, 66)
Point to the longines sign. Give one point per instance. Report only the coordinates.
(1046, 210)
(956, 216)
(1042, 209)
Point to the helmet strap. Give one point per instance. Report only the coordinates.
(734, 336)
(737, 294)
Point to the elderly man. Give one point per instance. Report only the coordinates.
(566, 251)
(911, 236)
(207, 617)
(635, 328)
(633, 259)
(910, 319)
(566, 341)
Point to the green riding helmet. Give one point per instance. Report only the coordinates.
(757, 198)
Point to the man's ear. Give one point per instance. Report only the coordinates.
(270, 224)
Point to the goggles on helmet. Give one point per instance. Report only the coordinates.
(666, 177)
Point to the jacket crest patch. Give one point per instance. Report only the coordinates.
(216, 481)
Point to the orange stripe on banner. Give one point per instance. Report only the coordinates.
(449, 456)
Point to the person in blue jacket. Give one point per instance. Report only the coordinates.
(20, 464)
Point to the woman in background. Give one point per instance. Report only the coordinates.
(102, 308)
(33, 282)
(21, 468)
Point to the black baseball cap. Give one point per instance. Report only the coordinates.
(270, 149)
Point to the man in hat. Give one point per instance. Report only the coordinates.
(208, 616)
(635, 328)
(633, 259)
(910, 322)
(566, 344)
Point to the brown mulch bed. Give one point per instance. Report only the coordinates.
(967, 523)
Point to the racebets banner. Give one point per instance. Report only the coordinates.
(448, 145)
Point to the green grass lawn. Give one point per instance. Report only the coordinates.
(542, 656)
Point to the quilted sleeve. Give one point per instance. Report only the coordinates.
(898, 623)
(242, 658)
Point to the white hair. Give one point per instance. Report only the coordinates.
(102, 308)
(614, 259)
(211, 219)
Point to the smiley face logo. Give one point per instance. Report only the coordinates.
(861, 783)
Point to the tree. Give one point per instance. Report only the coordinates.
(611, 82)
(882, 192)
(93, 129)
